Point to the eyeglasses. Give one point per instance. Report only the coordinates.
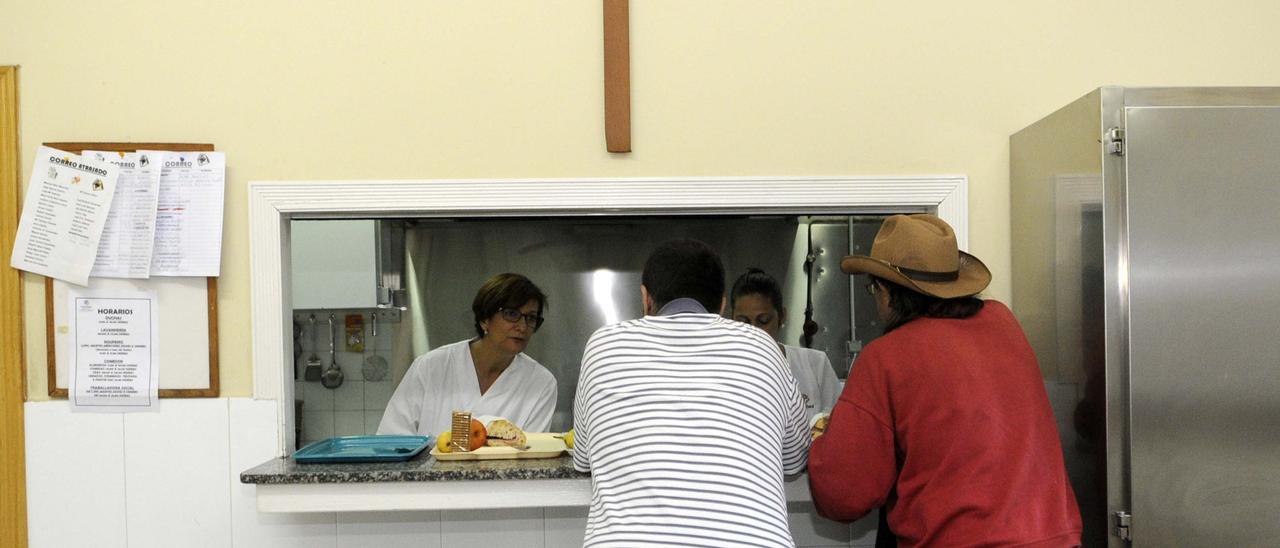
(514, 315)
(872, 288)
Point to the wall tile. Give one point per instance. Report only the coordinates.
(564, 527)
(351, 362)
(75, 474)
(317, 397)
(192, 432)
(509, 528)
(389, 529)
(348, 423)
(371, 420)
(377, 394)
(386, 338)
(808, 529)
(349, 396)
(316, 425)
(863, 531)
(252, 442)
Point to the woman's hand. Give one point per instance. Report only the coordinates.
(819, 424)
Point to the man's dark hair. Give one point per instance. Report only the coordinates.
(684, 268)
(906, 305)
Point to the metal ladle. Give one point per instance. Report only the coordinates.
(332, 377)
(312, 372)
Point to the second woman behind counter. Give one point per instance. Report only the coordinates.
(756, 299)
(487, 375)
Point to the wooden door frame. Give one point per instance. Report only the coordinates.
(13, 378)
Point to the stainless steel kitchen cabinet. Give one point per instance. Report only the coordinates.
(1146, 271)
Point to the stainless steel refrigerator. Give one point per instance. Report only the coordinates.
(1146, 272)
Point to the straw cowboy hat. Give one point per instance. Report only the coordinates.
(919, 252)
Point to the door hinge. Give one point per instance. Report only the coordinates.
(1115, 141)
(1122, 521)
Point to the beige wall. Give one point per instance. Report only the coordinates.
(444, 89)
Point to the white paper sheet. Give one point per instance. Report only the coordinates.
(65, 208)
(188, 238)
(124, 251)
(115, 369)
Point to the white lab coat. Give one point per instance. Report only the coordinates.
(444, 380)
(818, 384)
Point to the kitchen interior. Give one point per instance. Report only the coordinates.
(369, 295)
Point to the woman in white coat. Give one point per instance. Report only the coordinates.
(756, 299)
(486, 375)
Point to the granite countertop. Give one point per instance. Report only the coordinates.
(424, 467)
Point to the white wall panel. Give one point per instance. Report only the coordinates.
(863, 531)
(390, 529)
(508, 528)
(176, 469)
(564, 527)
(808, 529)
(253, 440)
(75, 477)
(173, 479)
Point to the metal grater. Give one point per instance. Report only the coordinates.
(460, 436)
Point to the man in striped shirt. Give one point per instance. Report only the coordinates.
(687, 421)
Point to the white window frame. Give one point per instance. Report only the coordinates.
(272, 204)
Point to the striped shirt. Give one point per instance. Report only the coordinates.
(688, 424)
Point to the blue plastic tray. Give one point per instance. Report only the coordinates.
(363, 449)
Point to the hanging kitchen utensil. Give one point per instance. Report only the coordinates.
(332, 377)
(297, 348)
(811, 326)
(313, 371)
(375, 367)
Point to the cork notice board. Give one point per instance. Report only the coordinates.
(188, 313)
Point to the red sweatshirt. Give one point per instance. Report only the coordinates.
(953, 417)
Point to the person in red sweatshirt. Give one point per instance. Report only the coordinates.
(944, 423)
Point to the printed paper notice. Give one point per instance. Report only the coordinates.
(66, 206)
(188, 238)
(115, 334)
(124, 251)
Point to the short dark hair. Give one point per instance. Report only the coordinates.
(906, 305)
(684, 268)
(504, 291)
(757, 282)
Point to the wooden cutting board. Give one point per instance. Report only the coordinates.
(542, 445)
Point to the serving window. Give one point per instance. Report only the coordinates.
(582, 241)
(589, 268)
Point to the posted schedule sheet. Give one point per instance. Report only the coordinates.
(114, 368)
(188, 239)
(124, 250)
(65, 208)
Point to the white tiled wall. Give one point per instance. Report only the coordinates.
(172, 479)
(355, 407)
(389, 529)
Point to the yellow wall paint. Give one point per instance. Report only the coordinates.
(444, 89)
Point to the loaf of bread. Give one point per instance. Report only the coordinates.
(503, 433)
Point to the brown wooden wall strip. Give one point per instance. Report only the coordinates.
(617, 76)
(13, 376)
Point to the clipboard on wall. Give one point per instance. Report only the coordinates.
(188, 312)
